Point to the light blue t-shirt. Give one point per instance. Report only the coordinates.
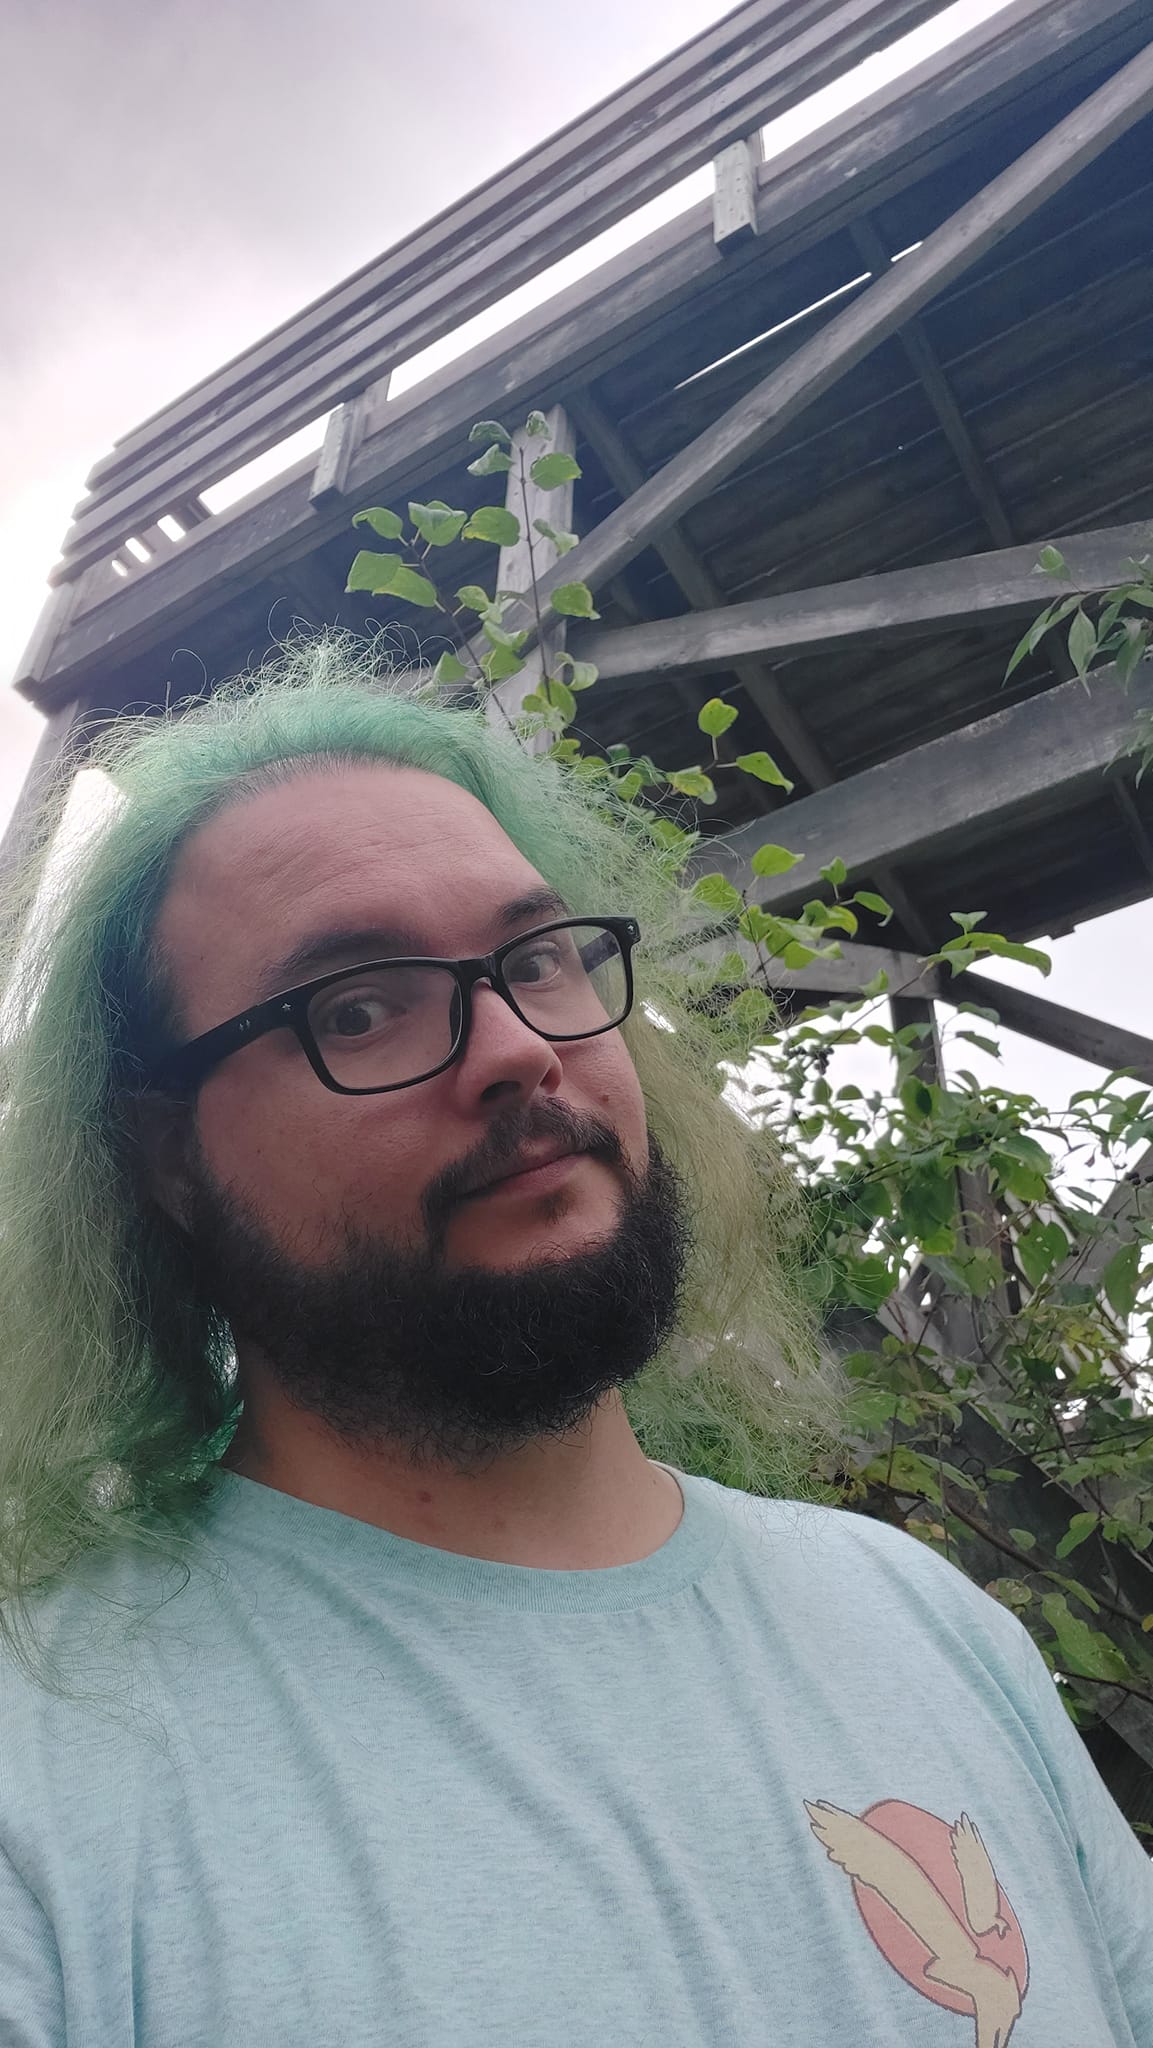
(790, 1782)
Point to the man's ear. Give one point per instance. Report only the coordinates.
(162, 1130)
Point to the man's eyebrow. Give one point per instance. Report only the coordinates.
(340, 945)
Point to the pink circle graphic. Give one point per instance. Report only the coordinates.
(929, 1842)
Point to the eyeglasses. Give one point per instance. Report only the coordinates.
(391, 1023)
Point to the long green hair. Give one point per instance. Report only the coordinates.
(118, 1392)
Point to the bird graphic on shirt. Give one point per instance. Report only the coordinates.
(955, 1961)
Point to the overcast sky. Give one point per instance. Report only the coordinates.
(182, 176)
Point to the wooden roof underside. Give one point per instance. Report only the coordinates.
(1044, 350)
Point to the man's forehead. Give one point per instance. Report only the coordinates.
(327, 819)
(364, 842)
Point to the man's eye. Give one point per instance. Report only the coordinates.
(544, 963)
(358, 1016)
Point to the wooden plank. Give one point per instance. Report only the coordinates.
(969, 234)
(952, 791)
(1000, 585)
(771, 54)
(735, 192)
(347, 427)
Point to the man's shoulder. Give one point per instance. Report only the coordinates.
(846, 1558)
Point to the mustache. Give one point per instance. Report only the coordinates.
(583, 1131)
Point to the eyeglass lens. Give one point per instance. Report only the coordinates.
(397, 1022)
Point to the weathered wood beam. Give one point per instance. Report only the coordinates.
(763, 58)
(913, 989)
(348, 426)
(1124, 1216)
(735, 192)
(899, 602)
(697, 582)
(875, 150)
(955, 790)
(766, 410)
(922, 355)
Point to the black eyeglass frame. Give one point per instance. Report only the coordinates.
(190, 1064)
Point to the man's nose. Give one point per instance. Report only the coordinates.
(504, 1055)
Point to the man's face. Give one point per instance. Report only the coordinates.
(333, 1231)
(343, 862)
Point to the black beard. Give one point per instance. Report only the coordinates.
(391, 1349)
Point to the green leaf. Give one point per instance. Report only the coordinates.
(493, 462)
(436, 522)
(582, 675)
(630, 785)
(731, 968)
(450, 669)
(389, 525)
(562, 540)
(751, 1009)
(548, 472)
(1122, 1280)
(1053, 562)
(716, 716)
(718, 893)
(473, 598)
(835, 873)
(536, 425)
(372, 572)
(494, 523)
(1023, 1538)
(765, 769)
(1080, 1528)
(387, 575)
(877, 904)
(561, 697)
(968, 918)
(928, 1205)
(1038, 1250)
(490, 430)
(414, 588)
(573, 601)
(774, 860)
(1082, 642)
(693, 782)
(1084, 1650)
(500, 663)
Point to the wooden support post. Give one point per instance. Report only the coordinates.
(532, 556)
(765, 411)
(347, 428)
(60, 747)
(735, 192)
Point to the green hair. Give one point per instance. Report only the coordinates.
(118, 1391)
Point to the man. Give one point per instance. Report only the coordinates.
(465, 1718)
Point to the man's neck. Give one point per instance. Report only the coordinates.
(577, 1503)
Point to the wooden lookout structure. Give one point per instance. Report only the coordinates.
(825, 419)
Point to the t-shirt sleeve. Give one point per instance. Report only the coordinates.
(1117, 1873)
(31, 1979)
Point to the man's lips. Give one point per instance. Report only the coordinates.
(534, 1168)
